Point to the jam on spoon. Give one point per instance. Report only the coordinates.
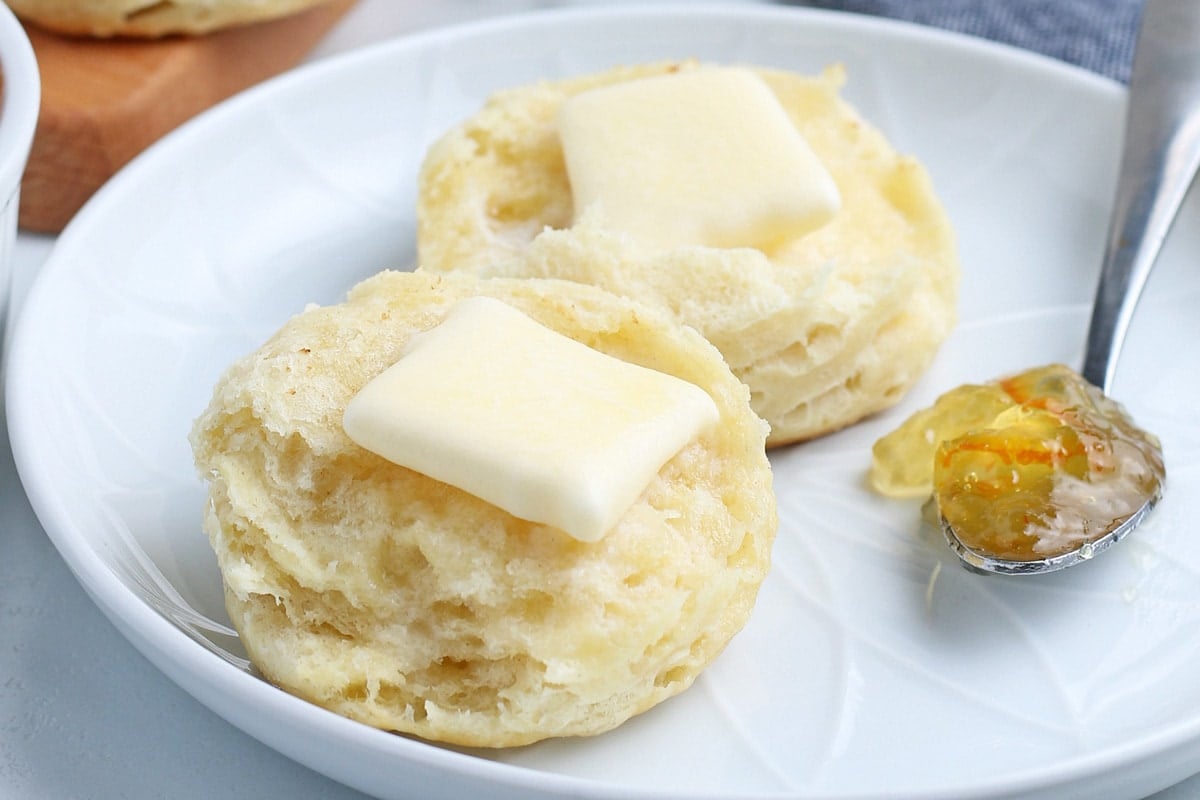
(1025, 470)
(1041, 471)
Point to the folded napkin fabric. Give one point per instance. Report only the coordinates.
(1095, 34)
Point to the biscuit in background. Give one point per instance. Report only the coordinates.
(836, 326)
(150, 18)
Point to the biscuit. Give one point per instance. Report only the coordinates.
(409, 605)
(150, 18)
(834, 327)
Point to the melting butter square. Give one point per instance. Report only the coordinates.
(700, 157)
(536, 423)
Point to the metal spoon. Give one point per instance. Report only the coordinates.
(1158, 164)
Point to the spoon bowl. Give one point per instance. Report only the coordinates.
(978, 562)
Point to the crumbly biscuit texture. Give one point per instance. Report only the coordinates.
(825, 331)
(409, 605)
(150, 18)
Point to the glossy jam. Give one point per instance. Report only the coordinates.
(1024, 468)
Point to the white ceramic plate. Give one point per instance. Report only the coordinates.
(857, 676)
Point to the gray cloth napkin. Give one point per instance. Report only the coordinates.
(1095, 34)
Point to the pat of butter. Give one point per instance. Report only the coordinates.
(702, 157)
(529, 420)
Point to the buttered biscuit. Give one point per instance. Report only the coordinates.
(824, 330)
(404, 603)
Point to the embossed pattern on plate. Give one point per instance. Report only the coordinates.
(872, 666)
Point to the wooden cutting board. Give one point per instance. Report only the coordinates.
(104, 101)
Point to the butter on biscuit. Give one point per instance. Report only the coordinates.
(532, 421)
(705, 157)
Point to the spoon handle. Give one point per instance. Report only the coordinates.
(1159, 161)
